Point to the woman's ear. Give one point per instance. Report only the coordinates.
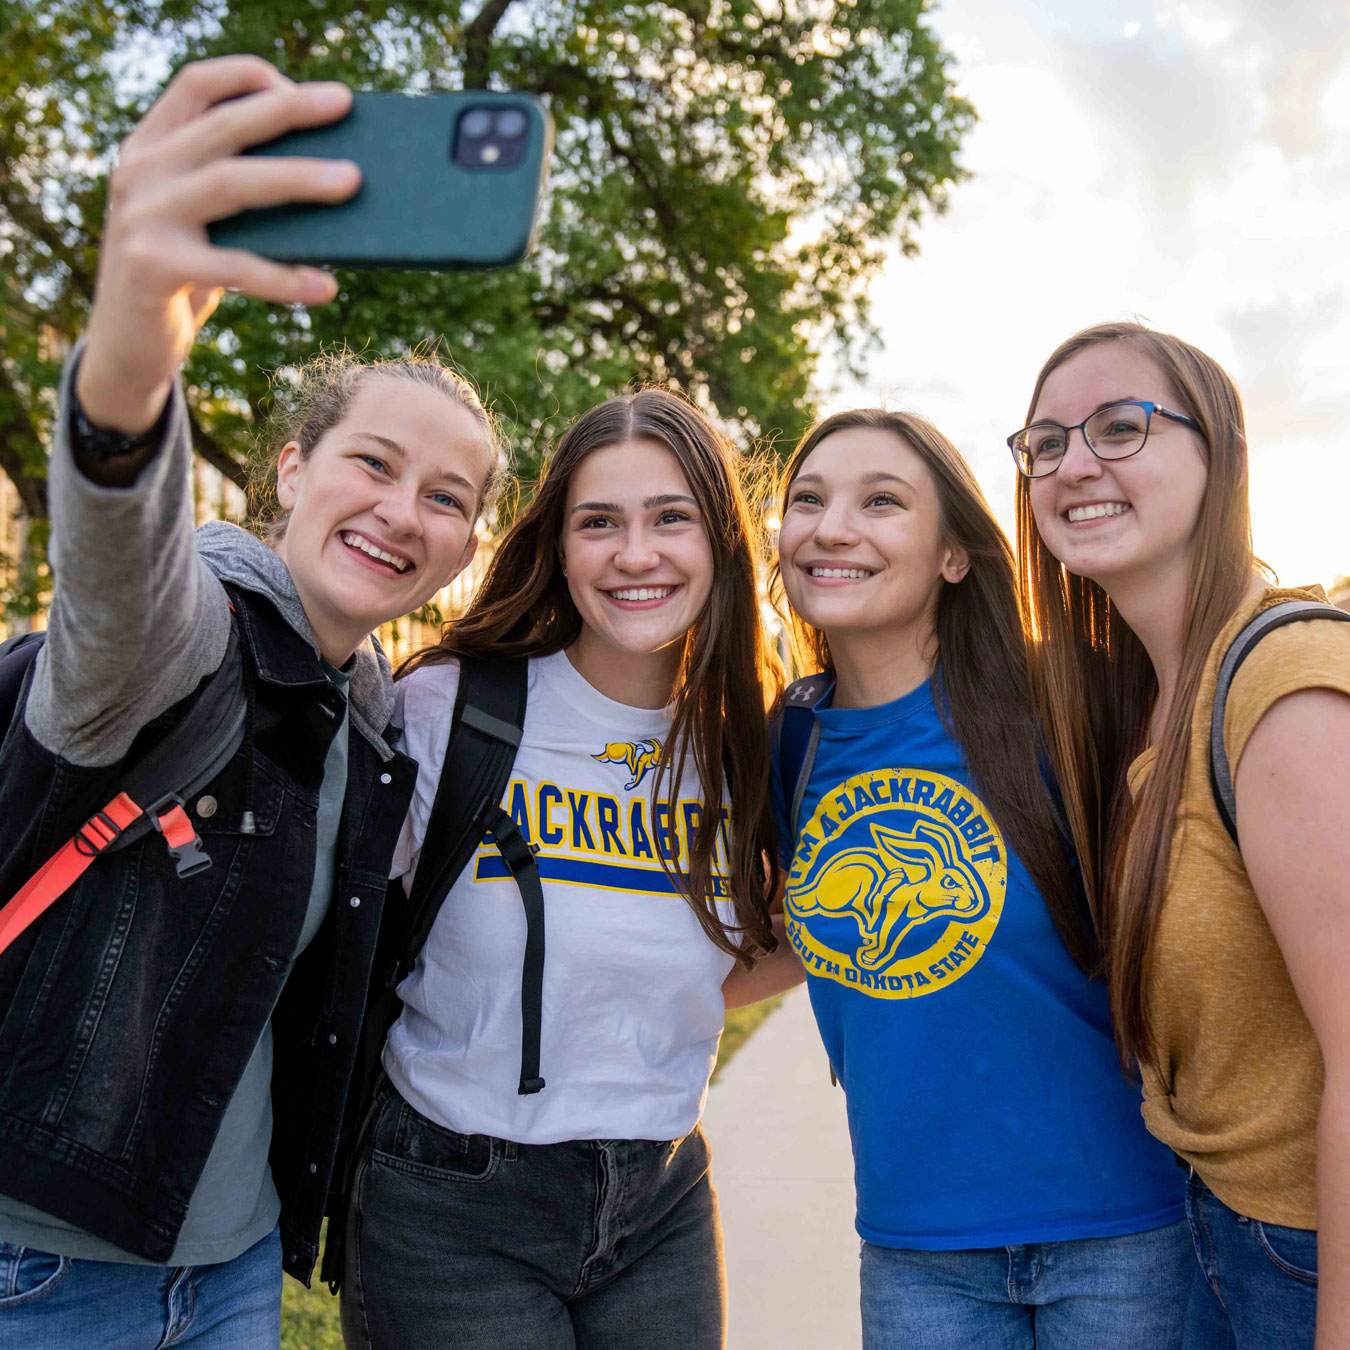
(289, 464)
(465, 558)
(955, 563)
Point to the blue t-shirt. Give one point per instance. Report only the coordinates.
(985, 1100)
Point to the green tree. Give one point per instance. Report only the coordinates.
(729, 175)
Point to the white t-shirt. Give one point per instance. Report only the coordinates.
(632, 1009)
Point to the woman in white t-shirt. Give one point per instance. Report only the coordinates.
(582, 1215)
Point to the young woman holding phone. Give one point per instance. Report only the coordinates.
(581, 1215)
(1008, 1194)
(1224, 953)
(175, 1050)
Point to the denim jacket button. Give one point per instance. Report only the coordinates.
(386, 778)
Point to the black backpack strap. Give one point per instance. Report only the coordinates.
(196, 749)
(484, 736)
(1220, 772)
(520, 861)
(798, 734)
(485, 731)
(186, 758)
(18, 655)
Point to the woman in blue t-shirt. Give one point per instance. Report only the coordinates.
(1008, 1192)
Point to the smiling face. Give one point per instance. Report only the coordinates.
(638, 560)
(1119, 521)
(381, 512)
(861, 549)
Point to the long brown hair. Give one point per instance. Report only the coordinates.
(1096, 687)
(524, 608)
(981, 652)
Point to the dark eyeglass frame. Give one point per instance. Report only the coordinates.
(1149, 409)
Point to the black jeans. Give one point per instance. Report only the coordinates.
(484, 1244)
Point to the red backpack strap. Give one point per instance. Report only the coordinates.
(192, 753)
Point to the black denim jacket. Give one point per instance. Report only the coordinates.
(129, 1010)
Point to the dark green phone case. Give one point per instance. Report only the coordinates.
(417, 207)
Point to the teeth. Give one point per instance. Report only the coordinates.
(1097, 512)
(360, 542)
(856, 573)
(643, 593)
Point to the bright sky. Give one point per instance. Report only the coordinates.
(1186, 162)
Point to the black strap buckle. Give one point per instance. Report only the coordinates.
(92, 845)
(190, 857)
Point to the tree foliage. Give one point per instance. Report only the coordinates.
(728, 176)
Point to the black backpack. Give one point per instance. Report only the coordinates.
(152, 789)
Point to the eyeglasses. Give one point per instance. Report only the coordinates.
(1116, 432)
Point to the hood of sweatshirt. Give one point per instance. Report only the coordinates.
(242, 559)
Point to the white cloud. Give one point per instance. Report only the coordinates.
(1196, 175)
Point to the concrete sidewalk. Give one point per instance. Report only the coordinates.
(784, 1175)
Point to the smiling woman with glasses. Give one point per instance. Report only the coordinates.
(1225, 928)
(1115, 432)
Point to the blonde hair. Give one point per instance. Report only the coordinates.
(304, 409)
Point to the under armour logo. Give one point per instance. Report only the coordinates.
(801, 694)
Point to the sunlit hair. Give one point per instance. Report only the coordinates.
(1096, 687)
(312, 400)
(981, 661)
(727, 671)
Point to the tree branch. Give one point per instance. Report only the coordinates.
(30, 486)
(215, 454)
(14, 430)
(31, 489)
(478, 42)
(30, 219)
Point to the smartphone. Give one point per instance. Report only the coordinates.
(448, 181)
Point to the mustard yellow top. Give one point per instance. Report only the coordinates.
(1237, 1082)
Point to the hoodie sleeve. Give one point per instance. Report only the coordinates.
(136, 618)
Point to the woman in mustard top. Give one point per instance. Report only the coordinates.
(1225, 957)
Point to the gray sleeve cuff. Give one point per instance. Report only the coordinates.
(136, 619)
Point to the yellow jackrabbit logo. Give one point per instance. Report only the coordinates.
(641, 757)
(905, 880)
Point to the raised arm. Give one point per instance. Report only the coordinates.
(135, 620)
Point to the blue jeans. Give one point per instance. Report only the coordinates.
(1255, 1287)
(478, 1243)
(56, 1303)
(1115, 1293)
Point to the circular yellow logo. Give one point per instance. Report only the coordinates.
(897, 884)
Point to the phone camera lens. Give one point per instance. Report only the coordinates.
(511, 124)
(475, 124)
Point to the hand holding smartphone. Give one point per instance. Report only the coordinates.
(239, 178)
(159, 278)
(447, 181)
